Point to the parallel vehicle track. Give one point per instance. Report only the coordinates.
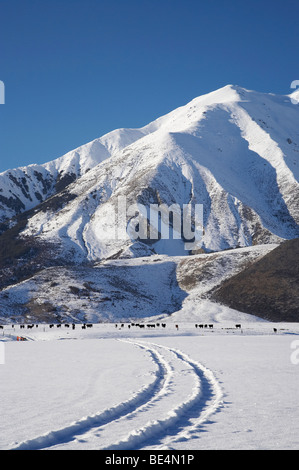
(172, 408)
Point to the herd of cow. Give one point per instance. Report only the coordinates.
(141, 325)
(89, 325)
(29, 326)
(120, 326)
(163, 325)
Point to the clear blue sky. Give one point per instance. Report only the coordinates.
(77, 69)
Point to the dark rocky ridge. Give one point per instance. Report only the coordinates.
(269, 288)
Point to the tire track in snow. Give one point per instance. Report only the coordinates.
(209, 402)
(79, 427)
(184, 394)
(187, 416)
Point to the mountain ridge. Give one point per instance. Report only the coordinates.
(190, 140)
(233, 151)
(80, 160)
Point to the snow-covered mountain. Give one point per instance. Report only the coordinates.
(23, 188)
(233, 151)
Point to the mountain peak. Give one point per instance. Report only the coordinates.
(231, 150)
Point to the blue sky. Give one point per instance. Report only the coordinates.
(77, 69)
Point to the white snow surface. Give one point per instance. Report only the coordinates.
(118, 388)
(113, 387)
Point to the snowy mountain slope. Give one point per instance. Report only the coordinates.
(128, 289)
(23, 188)
(233, 151)
(93, 294)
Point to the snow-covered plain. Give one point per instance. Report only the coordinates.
(119, 387)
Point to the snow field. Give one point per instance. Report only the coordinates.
(50, 386)
(118, 388)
